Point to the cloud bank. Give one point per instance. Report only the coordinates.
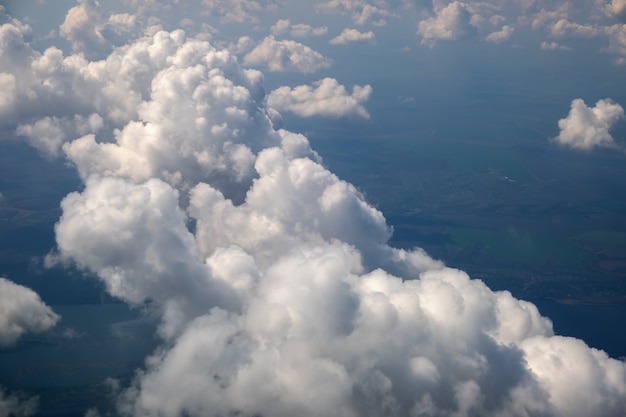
(276, 286)
(586, 127)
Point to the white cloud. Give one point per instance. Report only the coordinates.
(617, 41)
(49, 134)
(616, 9)
(500, 36)
(233, 11)
(361, 11)
(551, 46)
(566, 29)
(278, 291)
(280, 27)
(299, 30)
(587, 127)
(325, 98)
(451, 23)
(22, 311)
(352, 36)
(286, 55)
(88, 33)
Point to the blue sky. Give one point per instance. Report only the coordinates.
(272, 279)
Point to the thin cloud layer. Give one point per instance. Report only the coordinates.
(586, 127)
(274, 280)
(325, 98)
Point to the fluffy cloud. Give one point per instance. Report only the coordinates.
(234, 11)
(325, 98)
(277, 289)
(451, 23)
(286, 55)
(352, 36)
(22, 311)
(617, 41)
(299, 30)
(566, 29)
(500, 36)
(587, 127)
(88, 33)
(361, 11)
(616, 9)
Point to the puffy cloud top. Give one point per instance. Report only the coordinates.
(450, 23)
(277, 288)
(326, 98)
(587, 127)
(22, 311)
(352, 36)
(286, 55)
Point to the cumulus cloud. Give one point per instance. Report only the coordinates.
(617, 41)
(286, 55)
(361, 11)
(234, 11)
(616, 9)
(92, 35)
(299, 30)
(566, 29)
(501, 35)
(325, 98)
(22, 311)
(352, 36)
(551, 46)
(276, 286)
(451, 23)
(587, 127)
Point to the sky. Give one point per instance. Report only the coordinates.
(275, 287)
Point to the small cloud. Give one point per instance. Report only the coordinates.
(22, 311)
(352, 36)
(244, 45)
(453, 22)
(563, 28)
(616, 9)
(286, 56)
(552, 46)
(500, 36)
(617, 41)
(327, 98)
(299, 30)
(362, 12)
(587, 127)
(69, 333)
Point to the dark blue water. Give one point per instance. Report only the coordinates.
(600, 326)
